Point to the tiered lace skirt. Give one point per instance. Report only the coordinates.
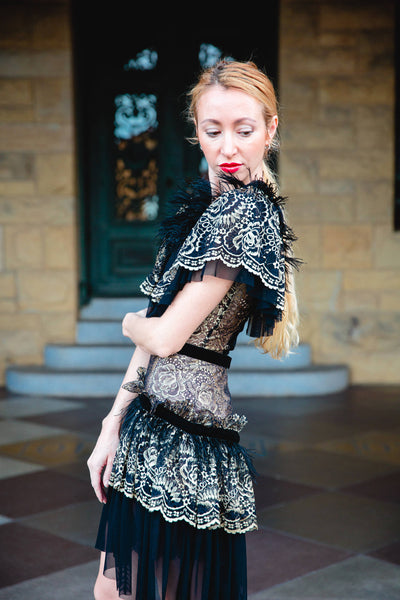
(180, 501)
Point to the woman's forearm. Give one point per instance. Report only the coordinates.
(140, 358)
(165, 335)
(149, 334)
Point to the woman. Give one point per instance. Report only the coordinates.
(177, 486)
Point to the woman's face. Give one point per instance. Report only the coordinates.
(232, 133)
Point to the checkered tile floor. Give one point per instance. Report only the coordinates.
(328, 496)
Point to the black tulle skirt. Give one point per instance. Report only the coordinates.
(152, 559)
(163, 477)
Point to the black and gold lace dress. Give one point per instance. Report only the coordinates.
(181, 496)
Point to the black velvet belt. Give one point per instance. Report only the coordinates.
(164, 413)
(208, 355)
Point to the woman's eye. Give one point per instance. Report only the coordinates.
(212, 132)
(245, 132)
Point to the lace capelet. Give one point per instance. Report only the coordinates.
(240, 233)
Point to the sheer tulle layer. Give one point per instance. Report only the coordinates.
(182, 472)
(151, 559)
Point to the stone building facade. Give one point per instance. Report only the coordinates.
(337, 96)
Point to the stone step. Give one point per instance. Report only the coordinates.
(308, 381)
(87, 357)
(112, 309)
(94, 366)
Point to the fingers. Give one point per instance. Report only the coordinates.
(95, 479)
(107, 473)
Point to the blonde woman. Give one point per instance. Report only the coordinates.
(176, 484)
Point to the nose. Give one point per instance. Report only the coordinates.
(228, 145)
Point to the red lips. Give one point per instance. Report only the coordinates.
(230, 167)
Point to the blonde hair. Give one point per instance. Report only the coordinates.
(248, 78)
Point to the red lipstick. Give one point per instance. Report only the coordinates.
(230, 167)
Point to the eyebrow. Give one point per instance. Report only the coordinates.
(216, 122)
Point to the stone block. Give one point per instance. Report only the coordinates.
(354, 301)
(370, 368)
(342, 115)
(366, 90)
(299, 96)
(35, 137)
(337, 208)
(20, 346)
(318, 290)
(298, 24)
(320, 208)
(15, 29)
(375, 128)
(374, 201)
(356, 16)
(55, 210)
(372, 279)
(20, 322)
(16, 114)
(55, 174)
(298, 172)
(60, 247)
(346, 247)
(34, 63)
(2, 254)
(376, 51)
(23, 246)
(390, 301)
(367, 165)
(336, 187)
(53, 99)
(318, 61)
(50, 26)
(16, 166)
(60, 327)
(8, 305)
(311, 135)
(17, 188)
(386, 247)
(308, 245)
(47, 291)
(339, 38)
(303, 209)
(16, 92)
(310, 329)
(7, 285)
(367, 341)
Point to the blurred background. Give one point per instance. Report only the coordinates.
(93, 143)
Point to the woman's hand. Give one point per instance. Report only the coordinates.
(101, 460)
(128, 322)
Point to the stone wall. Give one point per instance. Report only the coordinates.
(337, 97)
(38, 271)
(337, 161)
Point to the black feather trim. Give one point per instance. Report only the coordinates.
(189, 203)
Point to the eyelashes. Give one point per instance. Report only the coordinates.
(243, 133)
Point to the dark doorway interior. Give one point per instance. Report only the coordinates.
(131, 79)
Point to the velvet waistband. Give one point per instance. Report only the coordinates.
(164, 413)
(204, 354)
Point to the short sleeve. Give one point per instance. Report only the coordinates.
(238, 237)
(242, 230)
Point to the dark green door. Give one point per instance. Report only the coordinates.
(132, 133)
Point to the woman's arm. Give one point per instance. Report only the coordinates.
(101, 460)
(167, 334)
(160, 336)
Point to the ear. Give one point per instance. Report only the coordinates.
(272, 127)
